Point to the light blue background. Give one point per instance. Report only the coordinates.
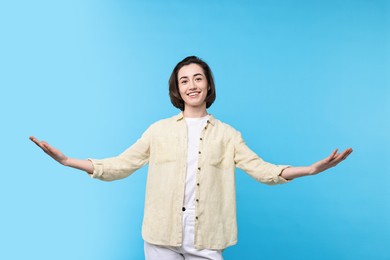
(297, 78)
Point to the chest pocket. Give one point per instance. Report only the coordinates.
(220, 154)
(164, 151)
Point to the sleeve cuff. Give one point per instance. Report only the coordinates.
(279, 179)
(97, 168)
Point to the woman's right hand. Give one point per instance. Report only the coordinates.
(50, 150)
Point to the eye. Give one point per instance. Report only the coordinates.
(198, 79)
(184, 81)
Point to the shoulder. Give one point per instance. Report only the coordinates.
(165, 124)
(166, 121)
(225, 128)
(161, 129)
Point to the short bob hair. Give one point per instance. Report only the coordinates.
(174, 93)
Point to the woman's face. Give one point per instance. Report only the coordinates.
(192, 86)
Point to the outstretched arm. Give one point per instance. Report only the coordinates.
(84, 165)
(320, 166)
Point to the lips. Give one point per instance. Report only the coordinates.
(193, 94)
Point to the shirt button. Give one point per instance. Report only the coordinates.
(199, 168)
(183, 209)
(201, 138)
(199, 152)
(197, 184)
(196, 217)
(197, 200)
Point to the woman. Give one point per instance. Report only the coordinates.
(190, 207)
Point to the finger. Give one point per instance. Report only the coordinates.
(35, 140)
(42, 144)
(342, 156)
(47, 146)
(331, 157)
(38, 143)
(346, 153)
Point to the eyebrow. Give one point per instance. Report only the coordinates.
(197, 74)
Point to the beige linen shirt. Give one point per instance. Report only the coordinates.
(164, 147)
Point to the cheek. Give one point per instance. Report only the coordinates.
(182, 92)
(205, 86)
(206, 89)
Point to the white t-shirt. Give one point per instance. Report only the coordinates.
(194, 129)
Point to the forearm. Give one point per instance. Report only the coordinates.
(296, 172)
(84, 165)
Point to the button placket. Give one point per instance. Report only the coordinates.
(199, 169)
(183, 179)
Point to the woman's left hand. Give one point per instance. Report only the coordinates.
(330, 161)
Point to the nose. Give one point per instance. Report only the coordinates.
(192, 85)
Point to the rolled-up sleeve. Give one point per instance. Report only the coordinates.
(126, 163)
(256, 167)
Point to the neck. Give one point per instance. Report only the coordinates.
(195, 112)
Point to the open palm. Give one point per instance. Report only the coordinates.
(50, 150)
(330, 161)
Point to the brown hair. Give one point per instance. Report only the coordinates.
(174, 93)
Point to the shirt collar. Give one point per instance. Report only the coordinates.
(180, 116)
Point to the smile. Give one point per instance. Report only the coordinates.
(193, 94)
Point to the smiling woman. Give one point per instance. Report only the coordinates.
(194, 73)
(193, 89)
(190, 209)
